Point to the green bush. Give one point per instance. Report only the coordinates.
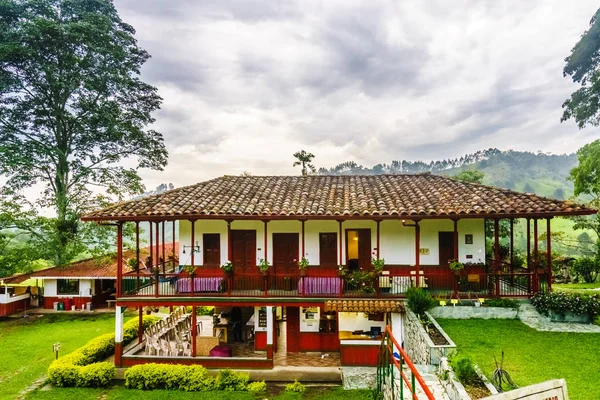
(295, 387)
(505, 303)
(561, 302)
(588, 268)
(231, 381)
(257, 387)
(83, 367)
(419, 300)
(201, 310)
(465, 371)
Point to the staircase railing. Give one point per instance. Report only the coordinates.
(392, 377)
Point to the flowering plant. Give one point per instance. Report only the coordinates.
(227, 267)
(561, 302)
(263, 265)
(341, 270)
(303, 263)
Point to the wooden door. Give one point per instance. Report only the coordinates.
(211, 243)
(364, 249)
(446, 248)
(243, 251)
(328, 249)
(285, 253)
(293, 329)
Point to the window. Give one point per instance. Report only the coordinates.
(67, 286)
(328, 251)
(212, 248)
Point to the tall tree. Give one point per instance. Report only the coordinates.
(583, 66)
(72, 108)
(304, 159)
(586, 180)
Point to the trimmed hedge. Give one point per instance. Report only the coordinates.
(193, 378)
(83, 367)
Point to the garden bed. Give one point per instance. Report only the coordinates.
(424, 347)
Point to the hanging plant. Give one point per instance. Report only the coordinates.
(263, 266)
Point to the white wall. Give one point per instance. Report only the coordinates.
(356, 321)
(397, 242)
(85, 286)
(50, 287)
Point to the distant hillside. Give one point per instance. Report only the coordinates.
(543, 174)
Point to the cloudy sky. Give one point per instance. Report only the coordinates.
(247, 83)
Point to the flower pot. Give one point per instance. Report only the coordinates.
(264, 273)
(302, 272)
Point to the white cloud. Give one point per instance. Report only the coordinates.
(246, 84)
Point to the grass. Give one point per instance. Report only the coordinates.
(577, 286)
(530, 356)
(27, 345)
(119, 392)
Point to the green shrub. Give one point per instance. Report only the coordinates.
(82, 367)
(196, 379)
(257, 387)
(561, 302)
(295, 387)
(505, 303)
(465, 371)
(588, 268)
(231, 381)
(201, 310)
(419, 300)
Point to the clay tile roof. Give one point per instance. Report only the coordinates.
(322, 196)
(366, 306)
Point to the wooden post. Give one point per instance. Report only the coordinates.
(549, 253)
(150, 253)
(119, 259)
(536, 255)
(303, 244)
(417, 252)
(141, 324)
(194, 331)
(137, 254)
(529, 271)
(378, 238)
(512, 248)
(163, 246)
(173, 248)
(193, 222)
(455, 239)
(157, 245)
(497, 254)
(340, 255)
(266, 278)
(229, 248)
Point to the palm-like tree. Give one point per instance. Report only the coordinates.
(304, 159)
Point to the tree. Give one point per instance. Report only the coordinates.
(586, 180)
(470, 175)
(72, 107)
(583, 66)
(304, 159)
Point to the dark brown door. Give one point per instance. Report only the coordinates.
(364, 249)
(243, 251)
(211, 243)
(293, 329)
(446, 247)
(285, 253)
(328, 252)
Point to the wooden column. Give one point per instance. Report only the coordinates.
(137, 253)
(157, 248)
(173, 248)
(193, 261)
(417, 252)
(536, 256)
(341, 242)
(118, 334)
(455, 239)
(303, 244)
(497, 254)
(150, 253)
(512, 247)
(529, 255)
(140, 324)
(378, 238)
(164, 241)
(265, 240)
(119, 259)
(549, 253)
(194, 331)
(270, 332)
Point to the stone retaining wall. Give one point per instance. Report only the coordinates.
(418, 344)
(467, 312)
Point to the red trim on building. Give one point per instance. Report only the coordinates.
(14, 307)
(358, 355)
(78, 302)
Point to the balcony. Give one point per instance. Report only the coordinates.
(392, 284)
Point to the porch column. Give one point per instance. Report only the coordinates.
(193, 251)
(265, 222)
(163, 246)
(549, 253)
(455, 239)
(512, 248)
(157, 248)
(229, 252)
(417, 252)
(119, 258)
(270, 332)
(140, 324)
(173, 248)
(341, 243)
(118, 335)
(378, 237)
(194, 331)
(497, 254)
(137, 254)
(529, 278)
(303, 244)
(536, 255)
(150, 255)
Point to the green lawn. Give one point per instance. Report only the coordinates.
(27, 345)
(531, 356)
(119, 392)
(578, 286)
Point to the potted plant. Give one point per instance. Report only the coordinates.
(133, 264)
(227, 268)
(263, 266)
(303, 265)
(190, 269)
(378, 264)
(455, 266)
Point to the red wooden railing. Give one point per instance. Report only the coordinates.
(389, 366)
